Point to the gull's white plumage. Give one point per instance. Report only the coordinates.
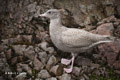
(71, 39)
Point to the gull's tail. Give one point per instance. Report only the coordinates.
(106, 39)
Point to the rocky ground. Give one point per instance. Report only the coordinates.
(27, 53)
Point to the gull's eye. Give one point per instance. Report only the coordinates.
(49, 12)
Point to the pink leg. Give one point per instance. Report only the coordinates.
(71, 67)
(65, 61)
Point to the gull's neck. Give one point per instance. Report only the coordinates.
(55, 23)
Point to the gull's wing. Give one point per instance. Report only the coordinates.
(79, 38)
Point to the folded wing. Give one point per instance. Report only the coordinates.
(79, 38)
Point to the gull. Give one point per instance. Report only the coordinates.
(71, 40)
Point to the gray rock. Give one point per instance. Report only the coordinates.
(50, 49)
(26, 68)
(1, 78)
(37, 49)
(12, 40)
(44, 46)
(27, 38)
(19, 49)
(37, 11)
(38, 79)
(86, 77)
(43, 57)
(31, 7)
(21, 76)
(82, 78)
(107, 20)
(43, 74)
(97, 56)
(51, 62)
(19, 68)
(8, 54)
(81, 61)
(65, 77)
(57, 70)
(52, 78)
(13, 60)
(29, 52)
(37, 64)
(76, 71)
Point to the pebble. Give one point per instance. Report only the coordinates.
(43, 57)
(44, 74)
(65, 76)
(51, 62)
(57, 70)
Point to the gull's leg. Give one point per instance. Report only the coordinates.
(65, 61)
(71, 67)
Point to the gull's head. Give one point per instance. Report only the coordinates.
(52, 14)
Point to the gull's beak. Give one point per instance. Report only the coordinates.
(42, 15)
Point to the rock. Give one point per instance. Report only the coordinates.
(51, 62)
(105, 29)
(117, 31)
(81, 78)
(19, 68)
(43, 57)
(86, 77)
(117, 72)
(81, 61)
(38, 79)
(37, 64)
(67, 18)
(13, 60)
(8, 54)
(44, 46)
(57, 70)
(52, 78)
(5, 41)
(109, 10)
(20, 58)
(2, 48)
(109, 52)
(101, 71)
(37, 11)
(116, 64)
(94, 66)
(76, 71)
(19, 49)
(50, 50)
(12, 40)
(27, 38)
(107, 20)
(1, 78)
(89, 28)
(97, 56)
(118, 10)
(26, 68)
(116, 24)
(43, 74)
(21, 76)
(65, 77)
(37, 49)
(29, 52)
(31, 7)
(3, 63)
